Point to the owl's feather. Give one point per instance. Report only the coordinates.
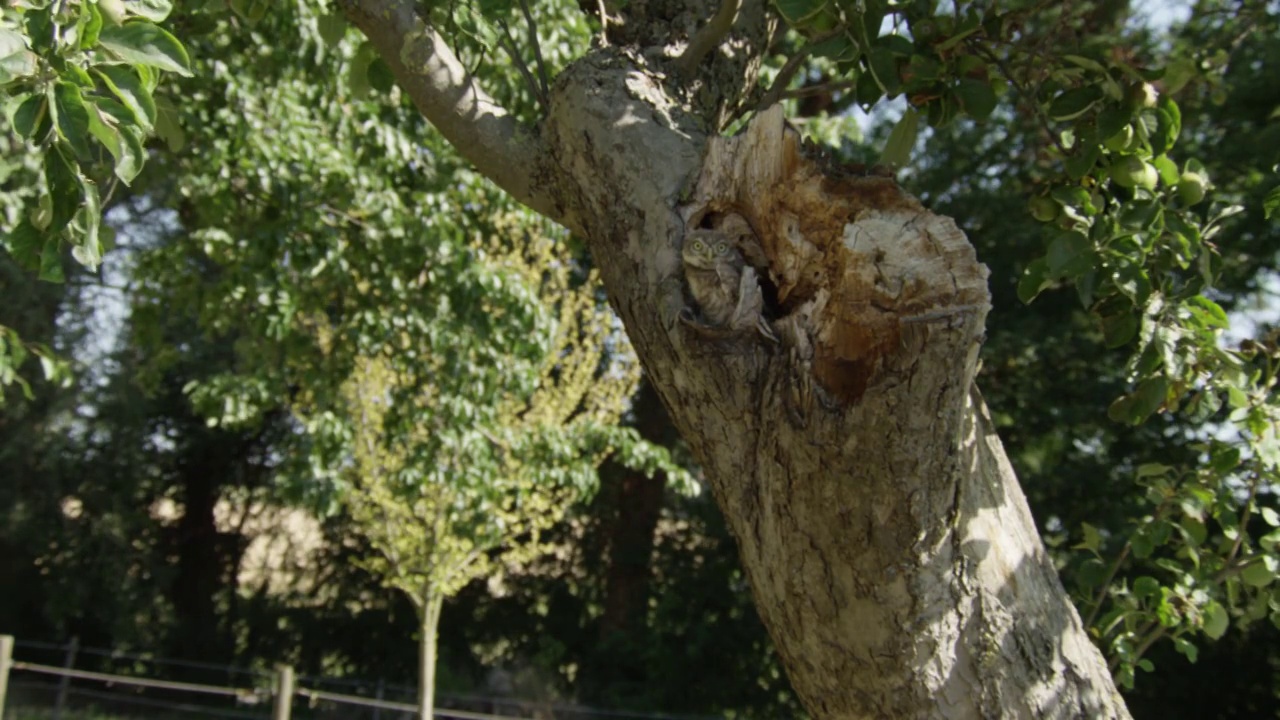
(725, 288)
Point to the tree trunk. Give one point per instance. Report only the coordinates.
(428, 627)
(638, 502)
(889, 549)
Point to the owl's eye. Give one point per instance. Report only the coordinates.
(722, 247)
(697, 245)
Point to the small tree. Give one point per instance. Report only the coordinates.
(460, 461)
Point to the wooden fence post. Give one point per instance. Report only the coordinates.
(284, 693)
(64, 685)
(6, 661)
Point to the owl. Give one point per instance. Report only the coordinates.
(726, 289)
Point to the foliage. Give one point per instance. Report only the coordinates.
(443, 474)
(78, 79)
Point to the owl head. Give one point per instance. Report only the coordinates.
(704, 249)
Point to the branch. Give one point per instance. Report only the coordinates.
(481, 130)
(789, 69)
(708, 36)
(509, 44)
(537, 47)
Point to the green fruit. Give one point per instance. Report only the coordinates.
(1121, 140)
(113, 11)
(1191, 187)
(1042, 208)
(1132, 171)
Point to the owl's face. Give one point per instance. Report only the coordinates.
(704, 251)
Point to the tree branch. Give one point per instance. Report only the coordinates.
(509, 44)
(480, 129)
(789, 69)
(537, 47)
(708, 36)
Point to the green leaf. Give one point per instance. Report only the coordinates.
(29, 114)
(1215, 620)
(123, 143)
(26, 243)
(1119, 329)
(1167, 168)
(1208, 312)
(1092, 538)
(16, 61)
(1258, 573)
(1073, 103)
(976, 97)
(153, 10)
(64, 188)
(125, 84)
(1086, 63)
(51, 263)
(884, 65)
(1270, 517)
(1168, 125)
(358, 71)
(1271, 203)
(1079, 163)
(1034, 280)
(1112, 120)
(1065, 255)
(896, 44)
(797, 11)
(90, 25)
(1147, 470)
(1141, 403)
(1183, 646)
(1091, 574)
(840, 48)
(897, 149)
(88, 250)
(1142, 544)
(1146, 587)
(169, 128)
(333, 27)
(142, 43)
(73, 118)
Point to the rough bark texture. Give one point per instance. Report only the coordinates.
(890, 551)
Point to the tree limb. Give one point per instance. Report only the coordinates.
(537, 47)
(481, 130)
(509, 44)
(708, 36)
(789, 69)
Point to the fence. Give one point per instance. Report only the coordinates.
(257, 696)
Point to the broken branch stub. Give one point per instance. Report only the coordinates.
(862, 271)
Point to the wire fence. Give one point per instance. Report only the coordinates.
(45, 690)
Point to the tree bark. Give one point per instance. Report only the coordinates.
(889, 549)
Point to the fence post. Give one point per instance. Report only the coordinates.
(64, 685)
(6, 661)
(377, 711)
(284, 693)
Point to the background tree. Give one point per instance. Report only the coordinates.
(463, 461)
